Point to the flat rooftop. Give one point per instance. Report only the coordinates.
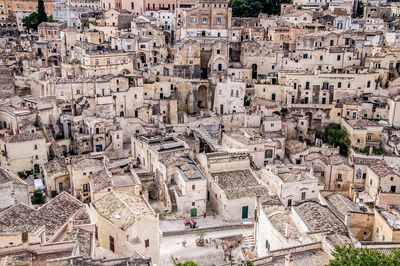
(249, 138)
(163, 144)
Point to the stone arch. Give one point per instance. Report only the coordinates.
(142, 57)
(202, 97)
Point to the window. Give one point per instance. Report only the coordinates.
(339, 177)
(369, 84)
(369, 137)
(85, 187)
(146, 243)
(193, 19)
(111, 243)
(303, 195)
(193, 187)
(193, 203)
(205, 20)
(273, 97)
(218, 20)
(338, 57)
(268, 154)
(35, 147)
(370, 182)
(339, 85)
(393, 189)
(307, 85)
(218, 51)
(96, 62)
(267, 245)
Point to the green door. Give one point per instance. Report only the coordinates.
(193, 212)
(245, 212)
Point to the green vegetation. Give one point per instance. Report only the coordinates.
(360, 9)
(375, 151)
(251, 8)
(33, 20)
(350, 256)
(283, 112)
(38, 197)
(187, 263)
(25, 174)
(337, 136)
(41, 11)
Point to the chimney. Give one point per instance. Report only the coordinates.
(286, 230)
(289, 260)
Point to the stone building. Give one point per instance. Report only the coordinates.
(13, 190)
(126, 224)
(24, 151)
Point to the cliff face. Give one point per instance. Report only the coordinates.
(7, 86)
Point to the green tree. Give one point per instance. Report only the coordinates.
(252, 8)
(337, 136)
(273, 7)
(37, 197)
(360, 9)
(187, 263)
(246, 8)
(31, 21)
(350, 256)
(41, 12)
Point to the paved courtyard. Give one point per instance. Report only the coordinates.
(183, 247)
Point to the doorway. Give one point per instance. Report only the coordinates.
(245, 212)
(193, 212)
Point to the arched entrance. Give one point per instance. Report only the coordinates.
(36, 168)
(202, 97)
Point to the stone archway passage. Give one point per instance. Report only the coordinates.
(202, 97)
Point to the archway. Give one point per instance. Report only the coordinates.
(36, 168)
(202, 97)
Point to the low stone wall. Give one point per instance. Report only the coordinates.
(208, 229)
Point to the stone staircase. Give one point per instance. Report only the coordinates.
(203, 134)
(248, 242)
(173, 199)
